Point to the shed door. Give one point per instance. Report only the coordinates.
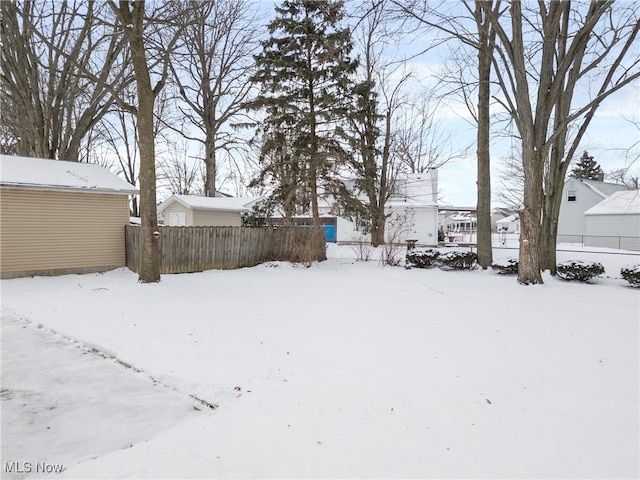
(177, 219)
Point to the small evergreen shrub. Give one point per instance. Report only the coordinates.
(508, 267)
(578, 270)
(457, 260)
(631, 274)
(422, 257)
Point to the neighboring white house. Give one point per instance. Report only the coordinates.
(510, 224)
(414, 204)
(461, 222)
(614, 222)
(499, 213)
(578, 196)
(200, 211)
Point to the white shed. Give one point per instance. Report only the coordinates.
(615, 222)
(200, 211)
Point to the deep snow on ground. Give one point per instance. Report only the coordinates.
(345, 369)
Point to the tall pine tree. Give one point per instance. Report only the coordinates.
(587, 168)
(305, 73)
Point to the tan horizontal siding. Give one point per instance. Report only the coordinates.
(177, 207)
(45, 231)
(211, 218)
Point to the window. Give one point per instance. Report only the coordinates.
(177, 219)
(571, 196)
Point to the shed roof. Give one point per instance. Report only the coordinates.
(199, 202)
(626, 202)
(28, 172)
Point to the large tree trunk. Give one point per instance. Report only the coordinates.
(378, 219)
(552, 201)
(320, 250)
(210, 166)
(485, 252)
(530, 217)
(149, 267)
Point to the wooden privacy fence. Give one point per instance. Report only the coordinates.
(194, 249)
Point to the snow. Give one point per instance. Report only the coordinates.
(624, 202)
(346, 369)
(41, 173)
(231, 204)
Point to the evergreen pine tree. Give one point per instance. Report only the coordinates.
(587, 168)
(305, 74)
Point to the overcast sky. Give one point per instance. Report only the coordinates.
(613, 138)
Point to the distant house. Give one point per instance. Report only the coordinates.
(200, 211)
(500, 213)
(412, 213)
(578, 196)
(413, 203)
(60, 217)
(461, 222)
(510, 224)
(614, 222)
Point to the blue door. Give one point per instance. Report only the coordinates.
(330, 233)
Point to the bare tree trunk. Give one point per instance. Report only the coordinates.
(530, 216)
(132, 21)
(485, 52)
(377, 227)
(210, 165)
(554, 184)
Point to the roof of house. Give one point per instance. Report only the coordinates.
(604, 189)
(27, 172)
(199, 202)
(619, 203)
(511, 218)
(504, 211)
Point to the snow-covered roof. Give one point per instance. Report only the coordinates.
(199, 202)
(462, 217)
(604, 189)
(510, 219)
(620, 203)
(42, 173)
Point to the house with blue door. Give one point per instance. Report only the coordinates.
(412, 208)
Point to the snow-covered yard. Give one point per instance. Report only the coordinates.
(344, 370)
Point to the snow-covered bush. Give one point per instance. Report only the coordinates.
(422, 257)
(508, 267)
(457, 260)
(631, 274)
(579, 270)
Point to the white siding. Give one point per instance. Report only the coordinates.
(424, 228)
(613, 231)
(571, 218)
